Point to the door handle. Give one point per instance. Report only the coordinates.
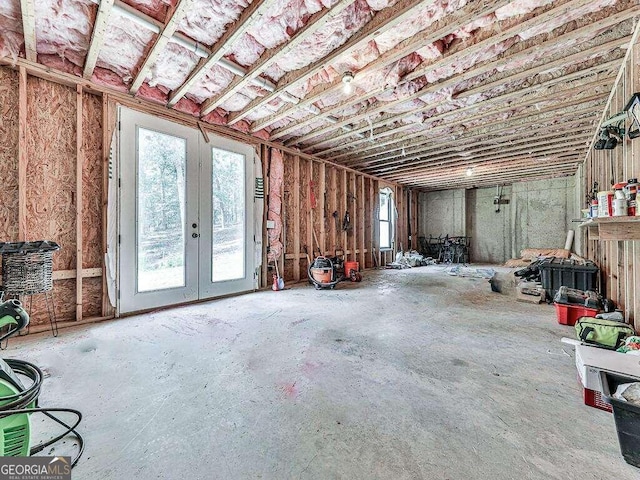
(195, 235)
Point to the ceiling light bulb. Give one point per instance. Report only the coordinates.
(469, 171)
(347, 78)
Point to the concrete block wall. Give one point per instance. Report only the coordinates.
(538, 215)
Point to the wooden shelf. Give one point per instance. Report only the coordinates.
(613, 228)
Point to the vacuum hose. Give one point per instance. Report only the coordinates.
(18, 403)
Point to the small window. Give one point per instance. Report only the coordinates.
(386, 219)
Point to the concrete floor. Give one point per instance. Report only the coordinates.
(411, 374)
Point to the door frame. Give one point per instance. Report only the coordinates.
(196, 288)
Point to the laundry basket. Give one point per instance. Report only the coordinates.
(27, 267)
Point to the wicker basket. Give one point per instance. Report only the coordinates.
(27, 273)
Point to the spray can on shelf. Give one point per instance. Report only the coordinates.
(594, 208)
(631, 192)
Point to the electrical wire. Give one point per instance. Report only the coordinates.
(18, 403)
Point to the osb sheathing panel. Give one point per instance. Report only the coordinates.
(64, 299)
(287, 205)
(8, 155)
(51, 157)
(92, 182)
(91, 297)
(305, 213)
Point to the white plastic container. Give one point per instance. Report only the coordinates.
(605, 203)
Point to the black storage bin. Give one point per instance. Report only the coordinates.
(572, 296)
(557, 272)
(626, 416)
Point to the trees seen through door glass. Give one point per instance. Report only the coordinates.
(228, 207)
(160, 211)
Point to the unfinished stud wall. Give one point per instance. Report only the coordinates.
(619, 261)
(39, 158)
(538, 215)
(53, 163)
(316, 196)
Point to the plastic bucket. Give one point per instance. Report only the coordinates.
(348, 266)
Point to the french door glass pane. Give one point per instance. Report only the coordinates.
(385, 237)
(160, 211)
(384, 206)
(228, 222)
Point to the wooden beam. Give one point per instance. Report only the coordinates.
(79, 202)
(499, 168)
(174, 17)
(311, 229)
(515, 126)
(469, 139)
(296, 217)
(317, 21)
(527, 117)
(383, 21)
(322, 196)
(524, 146)
(455, 80)
(547, 153)
(71, 274)
(29, 29)
(107, 308)
(362, 215)
(22, 154)
(520, 176)
(146, 106)
(97, 37)
(424, 38)
(518, 95)
(486, 144)
(344, 206)
(249, 16)
(432, 33)
(333, 207)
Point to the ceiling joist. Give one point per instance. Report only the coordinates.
(272, 55)
(434, 32)
(526, 119)
(29, 29)
(382, 21)
(249, 16)
(174, 17)
(500, 64)
(500, 101)
(97, 37)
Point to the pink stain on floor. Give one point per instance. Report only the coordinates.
(289, 389)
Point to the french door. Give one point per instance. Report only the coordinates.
(186, 214)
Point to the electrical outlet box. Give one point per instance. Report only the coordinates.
(271, 224)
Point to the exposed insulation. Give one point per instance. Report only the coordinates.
(92, 183)
(172, 67)
(124, 45)
(11, 38)
(8, 155)
(51, 169)
(276, 176)
(63, 28)
(207, 19)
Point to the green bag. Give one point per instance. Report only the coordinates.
(603, 333)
